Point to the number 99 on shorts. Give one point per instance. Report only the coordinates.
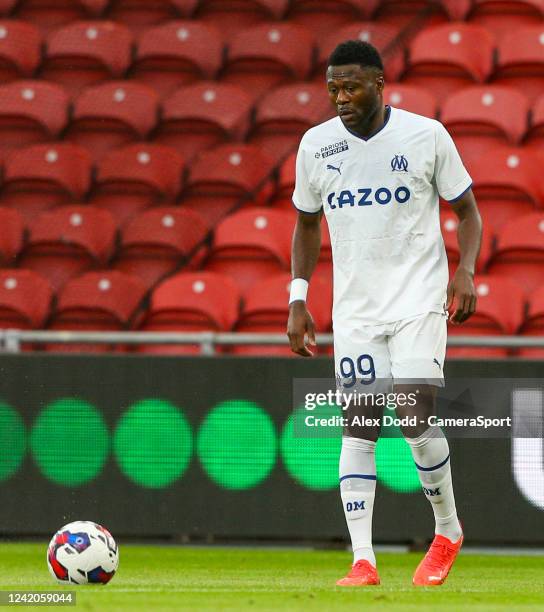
(361, 369)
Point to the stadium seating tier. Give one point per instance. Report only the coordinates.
(154, 121)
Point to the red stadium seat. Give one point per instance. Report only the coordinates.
(177, 53)
(449, 224)
(221, 178)
(252, 244)
(521, 60)
(7, 7)
(457, 10)
(535, 135)
(499, 311)
(25, 299)
(507, 184)
(111, 115)
(231, 16)
(503, 16)
(496, 213)
(266, 305)
(325, 16)
(50, 14)
(142, 14)
(31, 112)
(447, 57)
(131, 178)
(285, 113)
(158, 241)
(411, 98)
(86, 53)
(93, 7)
(508, 171)
(286, 184)
(266, 309)
(191, 302)
(323, 269)
(200, 116)
(402, 13)
(67, 241)
(264, 56)
(534, 324)
(520, 251)
(380, 35)
(282, 202)
(42, 176)
(20, 50)
(97, 301)
(11, 236)
(482, 116)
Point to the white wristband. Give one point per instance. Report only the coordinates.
(299, 290)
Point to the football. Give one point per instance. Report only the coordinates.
(82, 552)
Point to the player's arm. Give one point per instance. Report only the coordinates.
(461, 289)
(305, 253)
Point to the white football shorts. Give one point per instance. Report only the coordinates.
(408, 351)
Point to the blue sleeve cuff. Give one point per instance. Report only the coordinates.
(306, 212)
(460, 195)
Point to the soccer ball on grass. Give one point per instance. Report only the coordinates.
(82, 552)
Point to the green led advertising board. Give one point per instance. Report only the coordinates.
(179, 446)
(153, 443)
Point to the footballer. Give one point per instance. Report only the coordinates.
(377, 172)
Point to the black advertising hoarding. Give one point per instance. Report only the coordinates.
(204, 447)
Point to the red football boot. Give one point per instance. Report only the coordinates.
(436, 564)
(362, 573)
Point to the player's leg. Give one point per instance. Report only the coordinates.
(358, 352)
(417, 353)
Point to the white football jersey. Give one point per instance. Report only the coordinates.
(380, 198)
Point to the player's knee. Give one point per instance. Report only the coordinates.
(415, 416)
(353, 430)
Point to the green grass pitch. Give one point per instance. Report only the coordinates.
(154, 578)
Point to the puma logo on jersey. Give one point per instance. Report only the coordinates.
(339, 169)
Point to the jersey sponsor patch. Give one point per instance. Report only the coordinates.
(366, 197)
(332, 149)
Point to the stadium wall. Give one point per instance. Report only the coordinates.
(201, 448)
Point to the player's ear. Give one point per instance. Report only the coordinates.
(380, 81)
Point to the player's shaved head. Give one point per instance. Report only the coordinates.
(356, 52)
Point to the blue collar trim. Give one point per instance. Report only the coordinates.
(386, 121)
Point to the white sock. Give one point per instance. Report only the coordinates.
(357, 490)
(431, 454)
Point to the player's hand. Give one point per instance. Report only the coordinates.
(461, 294)
(300, 325)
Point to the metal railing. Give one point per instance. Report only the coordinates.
(11, 340)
